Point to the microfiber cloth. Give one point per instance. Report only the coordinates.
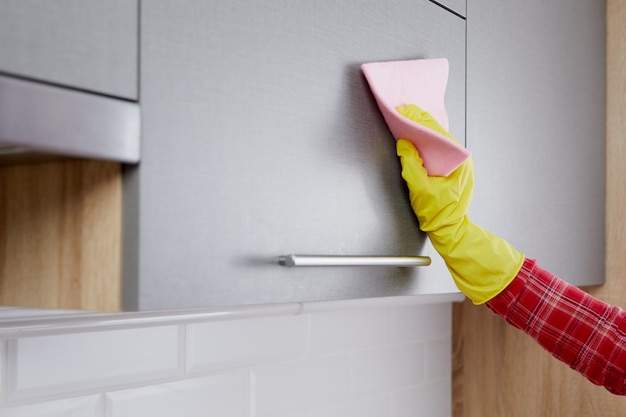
(421, 82)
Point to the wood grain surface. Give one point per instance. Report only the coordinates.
(500, 372)
(60, 235)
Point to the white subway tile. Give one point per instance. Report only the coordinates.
(348, 330)
(292, 387)
(378, 360)
(432, 400)
(89, 406)
(377, 406)
(46, 365)
(388, 368)
(225, 395)
(3, 367)
(437, 359)
(229, 344)
(417, 322)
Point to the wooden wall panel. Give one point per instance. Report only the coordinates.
(500, 372)
(60, 235)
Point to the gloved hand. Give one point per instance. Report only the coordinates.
(481, 263)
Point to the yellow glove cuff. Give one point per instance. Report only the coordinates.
(481, 263)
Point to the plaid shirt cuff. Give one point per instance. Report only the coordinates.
(576, 328)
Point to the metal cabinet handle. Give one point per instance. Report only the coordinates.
(352, 260)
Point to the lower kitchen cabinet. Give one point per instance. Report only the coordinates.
(260, 138)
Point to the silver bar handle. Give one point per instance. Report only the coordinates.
(352, 260)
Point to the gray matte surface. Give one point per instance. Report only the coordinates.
(458, 6)
(536, 128)
(40, 118)
(261, 138)
(87, 44)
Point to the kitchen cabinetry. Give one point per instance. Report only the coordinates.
(86, 44)
(541, 106)
(457, 6)
(261, 138)
(60, 227)
(536, 129)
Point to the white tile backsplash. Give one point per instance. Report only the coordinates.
(89, 406)
(224, 395)
(285, 388)
(349, 330)
(387, 368)
(431, 399)
(237, 343)
(382, 358)
(437, 354)
(3, 371)
(377, 406)
(416, 322)
(49, 365)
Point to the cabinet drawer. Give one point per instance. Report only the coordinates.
(261, 138)
(87, 44)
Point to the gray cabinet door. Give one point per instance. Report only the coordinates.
(536, 128)
(261, 138)
(87, 44)
(456, 6)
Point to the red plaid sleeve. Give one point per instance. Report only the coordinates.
(578, 329)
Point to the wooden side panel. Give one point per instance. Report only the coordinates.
(60, 234)
(498, 371)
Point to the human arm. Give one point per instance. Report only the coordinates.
(576, 328)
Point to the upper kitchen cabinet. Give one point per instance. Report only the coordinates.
(536, 128)
(261, 139)
(456, 6)
(86, 44)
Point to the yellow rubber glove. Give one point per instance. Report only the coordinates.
(481, 263)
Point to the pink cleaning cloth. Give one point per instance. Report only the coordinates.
(421, 82)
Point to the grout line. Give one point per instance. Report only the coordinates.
(446, 8)
(103, 404)
(105, 388)
(9, 371)
(183, 364)
(3, 370)
(252, 393)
